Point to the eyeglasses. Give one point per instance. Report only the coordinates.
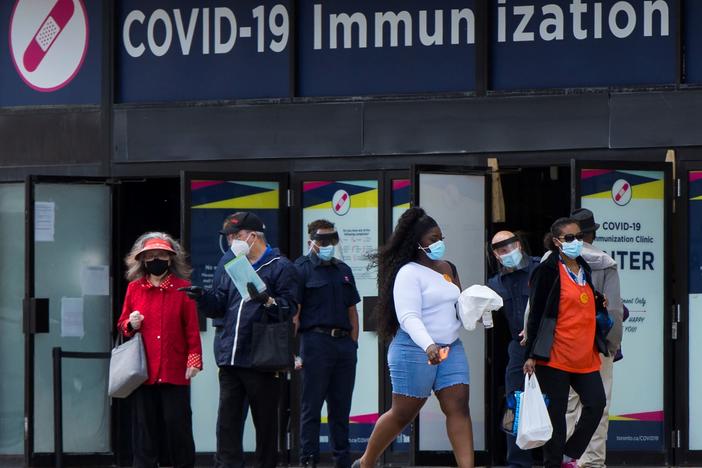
(572, 237)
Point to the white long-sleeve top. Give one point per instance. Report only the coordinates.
(425, 304)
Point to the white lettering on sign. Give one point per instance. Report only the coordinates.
(549, 20)
(399, 27)
(221, 29)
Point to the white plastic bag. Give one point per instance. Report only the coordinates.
(476, 301)
(534, 428)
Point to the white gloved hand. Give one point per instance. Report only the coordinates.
(135, 319)
(191, 372)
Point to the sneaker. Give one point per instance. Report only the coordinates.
(570, 464)
(356, 464)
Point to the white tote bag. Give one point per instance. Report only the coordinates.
(534, 428)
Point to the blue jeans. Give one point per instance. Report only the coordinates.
(328, 374)
(514, 380)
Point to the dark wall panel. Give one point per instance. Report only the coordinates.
(51, 137)
(487, 124)
(640, 120)
(243, 132)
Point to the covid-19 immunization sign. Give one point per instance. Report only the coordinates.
(629, 206)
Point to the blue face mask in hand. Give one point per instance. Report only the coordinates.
(511, 260)
(572, 249)
(435, 251)
(326, 253)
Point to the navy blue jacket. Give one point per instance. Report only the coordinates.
(327, 290)
(232, 344)
(513, 287)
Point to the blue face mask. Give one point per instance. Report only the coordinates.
(435, 251)
(326, 253)
(572, 249)
(512, 259)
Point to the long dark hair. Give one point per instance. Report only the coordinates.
(400, 249)
(556, 231)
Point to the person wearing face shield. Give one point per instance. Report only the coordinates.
(238, 379)
(565, 338)
(328, 325)
(512, 283)
(167, 321)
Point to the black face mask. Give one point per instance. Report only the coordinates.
(156, 267)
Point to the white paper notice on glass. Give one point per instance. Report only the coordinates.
(241, 272)
(95, 280)
(44, 221)
(72, 317)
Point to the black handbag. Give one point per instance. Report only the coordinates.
(272, 347)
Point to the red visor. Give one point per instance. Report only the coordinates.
(156, 244)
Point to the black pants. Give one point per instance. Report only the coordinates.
(262, 391)
(160, 411)
(328, 374)
(556, 384)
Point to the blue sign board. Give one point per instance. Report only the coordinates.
(693, 41)
(580, 43)
(180, 50)
(393, 46)
(50, 52)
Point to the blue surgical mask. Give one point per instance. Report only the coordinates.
(572, 249)
(326, 253)
(511, 260)
(435, 251)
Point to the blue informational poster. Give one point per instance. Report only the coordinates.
(181, 50)
(50, 52)
(581, 43)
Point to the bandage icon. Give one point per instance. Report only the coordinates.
(46, 35)
(621, 192)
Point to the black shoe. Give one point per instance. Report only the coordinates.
(308, 463)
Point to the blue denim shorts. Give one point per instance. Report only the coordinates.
(413, 376)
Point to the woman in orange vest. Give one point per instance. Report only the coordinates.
(563, 343)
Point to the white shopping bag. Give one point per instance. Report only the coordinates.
(474, 303)
(534, 428)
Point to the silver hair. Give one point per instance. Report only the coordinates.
(135, 267)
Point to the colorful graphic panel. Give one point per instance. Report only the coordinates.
(629, 205)
(401, 193)
(353, 206)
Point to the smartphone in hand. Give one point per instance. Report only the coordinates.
(443, 354)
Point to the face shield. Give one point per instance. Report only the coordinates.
(509, 253)
(327, 244)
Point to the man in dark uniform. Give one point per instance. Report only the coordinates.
(328, 324)
(512, 284)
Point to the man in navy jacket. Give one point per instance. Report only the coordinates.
(233, 340)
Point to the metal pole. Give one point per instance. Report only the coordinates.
(58, 409)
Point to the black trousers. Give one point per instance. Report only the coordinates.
(262, 390)
(158, 412)
(556, 384)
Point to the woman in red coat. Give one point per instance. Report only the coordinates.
(167, 321)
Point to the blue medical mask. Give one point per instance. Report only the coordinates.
(435, 251)
(511, 260)
(572, 249)
(326, 253)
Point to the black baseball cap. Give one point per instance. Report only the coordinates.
(585, 219)
(242, 221)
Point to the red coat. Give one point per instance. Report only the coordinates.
(170, 328)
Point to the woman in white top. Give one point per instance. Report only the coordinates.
(416, 307)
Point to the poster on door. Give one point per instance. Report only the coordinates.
(211, 201)
(630, 207)
(694, 211)
(352, 205)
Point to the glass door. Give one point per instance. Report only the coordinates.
(207, 200)
(68, 263)
(633, 202)
(457, 198)
(11, 338)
